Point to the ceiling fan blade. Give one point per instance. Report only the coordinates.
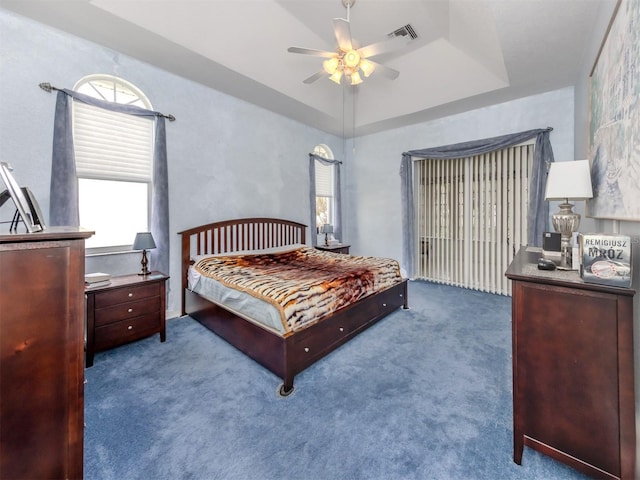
(342, 30)
(314, 77)
(382, 47)
(310, 51)
(390, 73)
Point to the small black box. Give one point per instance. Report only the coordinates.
(551, 241)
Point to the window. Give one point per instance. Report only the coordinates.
(472, 217)
(325, 185)
(114, 164)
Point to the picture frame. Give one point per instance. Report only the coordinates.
(614, 119)
(26, 204)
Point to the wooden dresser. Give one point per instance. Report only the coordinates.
(573, 381)
(131, 307)
(41, 352)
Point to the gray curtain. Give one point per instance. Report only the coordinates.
(337, 227)
(63, 193)
(64, 182)
(538, 208)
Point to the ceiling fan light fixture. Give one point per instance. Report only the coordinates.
(367, 67)
(351, 58)
(348, 60)
(330, 65)
(336, 76)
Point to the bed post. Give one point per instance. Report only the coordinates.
(186, 252)
(405, 293)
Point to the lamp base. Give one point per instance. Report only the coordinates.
(565, 222)
(144, 262)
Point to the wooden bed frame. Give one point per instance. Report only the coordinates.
(288, 354)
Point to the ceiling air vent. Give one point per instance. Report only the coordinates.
(405, 31)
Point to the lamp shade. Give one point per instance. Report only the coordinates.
(569, 180)
(326, 228)
(367, 67)
(144, 241)
(331, 65)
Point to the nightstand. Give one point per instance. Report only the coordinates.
(131, 307)
(334, 248)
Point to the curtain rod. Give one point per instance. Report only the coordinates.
(47, 87)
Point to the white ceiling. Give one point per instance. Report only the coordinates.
(469, 53)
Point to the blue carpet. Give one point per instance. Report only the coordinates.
(424, 394)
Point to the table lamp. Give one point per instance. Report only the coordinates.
(568, 180)
(326, 229)
(144, 241)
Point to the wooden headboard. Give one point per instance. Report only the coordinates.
(235, 235)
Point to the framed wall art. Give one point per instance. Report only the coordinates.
(614, 119)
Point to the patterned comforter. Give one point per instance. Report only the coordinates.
(305, 284)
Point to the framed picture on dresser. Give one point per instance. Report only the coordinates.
(26, 204)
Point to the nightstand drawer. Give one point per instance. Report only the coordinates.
(123, 311)
(127, 294)
(126, 331)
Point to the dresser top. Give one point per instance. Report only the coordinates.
(49, 233)
(525, 268)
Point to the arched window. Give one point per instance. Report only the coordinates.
(114, 163)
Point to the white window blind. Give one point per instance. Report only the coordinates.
(472, 217)
(112, 145)
(324, 180)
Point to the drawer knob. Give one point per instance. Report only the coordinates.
(384, 304)
(130, 294)
(130, 310)
(341, 329)
(306, 349)
(130, 327)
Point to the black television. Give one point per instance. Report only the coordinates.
(27, 208)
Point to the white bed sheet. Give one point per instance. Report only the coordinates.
(240, 303)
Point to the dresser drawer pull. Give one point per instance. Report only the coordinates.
(130, 310)
(130, 327)
(341, 329)
(384, 304)
(306, 349)
(130, 294)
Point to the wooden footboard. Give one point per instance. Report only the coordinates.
(289, 354)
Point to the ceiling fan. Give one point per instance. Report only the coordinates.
(348, 60)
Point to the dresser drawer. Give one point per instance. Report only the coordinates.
(127, 330)
(123, 311)
(126, 294)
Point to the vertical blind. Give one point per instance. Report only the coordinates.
(472, 217)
